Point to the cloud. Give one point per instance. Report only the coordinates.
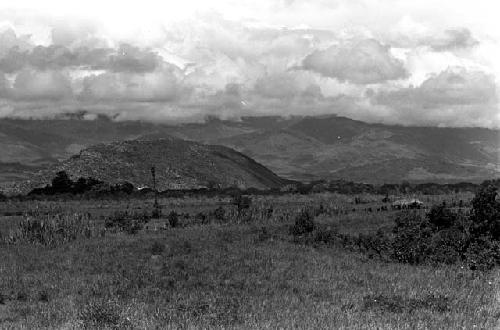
(455, 96)
(40, 85)
(128, 58)
(163, 85)
(125, 58)
(361, 62)
(453, 39)
(263, 57)
(9, 39)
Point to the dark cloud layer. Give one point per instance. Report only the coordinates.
(361, 62)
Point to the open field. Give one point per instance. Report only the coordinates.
(218, 273)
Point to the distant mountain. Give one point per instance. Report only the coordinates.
(302, 148)
(179, 164)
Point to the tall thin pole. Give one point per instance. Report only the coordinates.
(153, 174)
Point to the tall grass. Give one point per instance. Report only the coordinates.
(53, 229)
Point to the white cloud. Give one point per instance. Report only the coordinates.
(40, 85)
(171, 59)
(164, 85)
(360, 61)
(454, 97)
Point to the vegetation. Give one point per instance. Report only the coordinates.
(442, 236)
(283, 261)
(62, 184)
(54, 229)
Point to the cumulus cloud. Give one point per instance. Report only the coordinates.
(262, 57)
(453, 39)
(125, 58)
(9, 39)
(128, 58)
(455, 96)
(362, 62)
(287, 86)
(40, 85)
(163, 85)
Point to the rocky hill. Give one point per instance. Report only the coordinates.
(179, 164)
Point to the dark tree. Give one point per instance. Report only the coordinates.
(485, 215)
(441, 217)
(61, 183)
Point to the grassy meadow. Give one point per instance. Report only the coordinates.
(233, 272)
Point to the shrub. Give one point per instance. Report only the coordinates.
(173, 219)
(219, 213)
(241, 202)
(483, 254)
(304, 223)
(441, 217)
(125, 222)
(157, 248)
(412, 234)
(485, 214)
(441, 236)
(378, 245)
(451, 237)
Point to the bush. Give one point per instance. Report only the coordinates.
(441, 236)
(378, 245)
(304, 223)
(241, 202)
(483, 254)
(450, 237)
(219, 213)
(411, 238)
(173, 219)
(125, 222)
(157, 248)
(441, 217)
(485, 215)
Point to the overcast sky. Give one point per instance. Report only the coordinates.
(393, 61)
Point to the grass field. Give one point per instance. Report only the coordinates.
(250, 275)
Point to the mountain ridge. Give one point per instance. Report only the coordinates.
(297, 148)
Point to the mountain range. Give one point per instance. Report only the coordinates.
(299, 148)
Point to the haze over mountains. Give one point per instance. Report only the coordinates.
(300, 148)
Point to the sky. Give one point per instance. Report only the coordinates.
(406, 62)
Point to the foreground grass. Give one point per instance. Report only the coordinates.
(232, 276)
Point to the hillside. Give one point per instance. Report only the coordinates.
(179, 165)
(301, 148)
